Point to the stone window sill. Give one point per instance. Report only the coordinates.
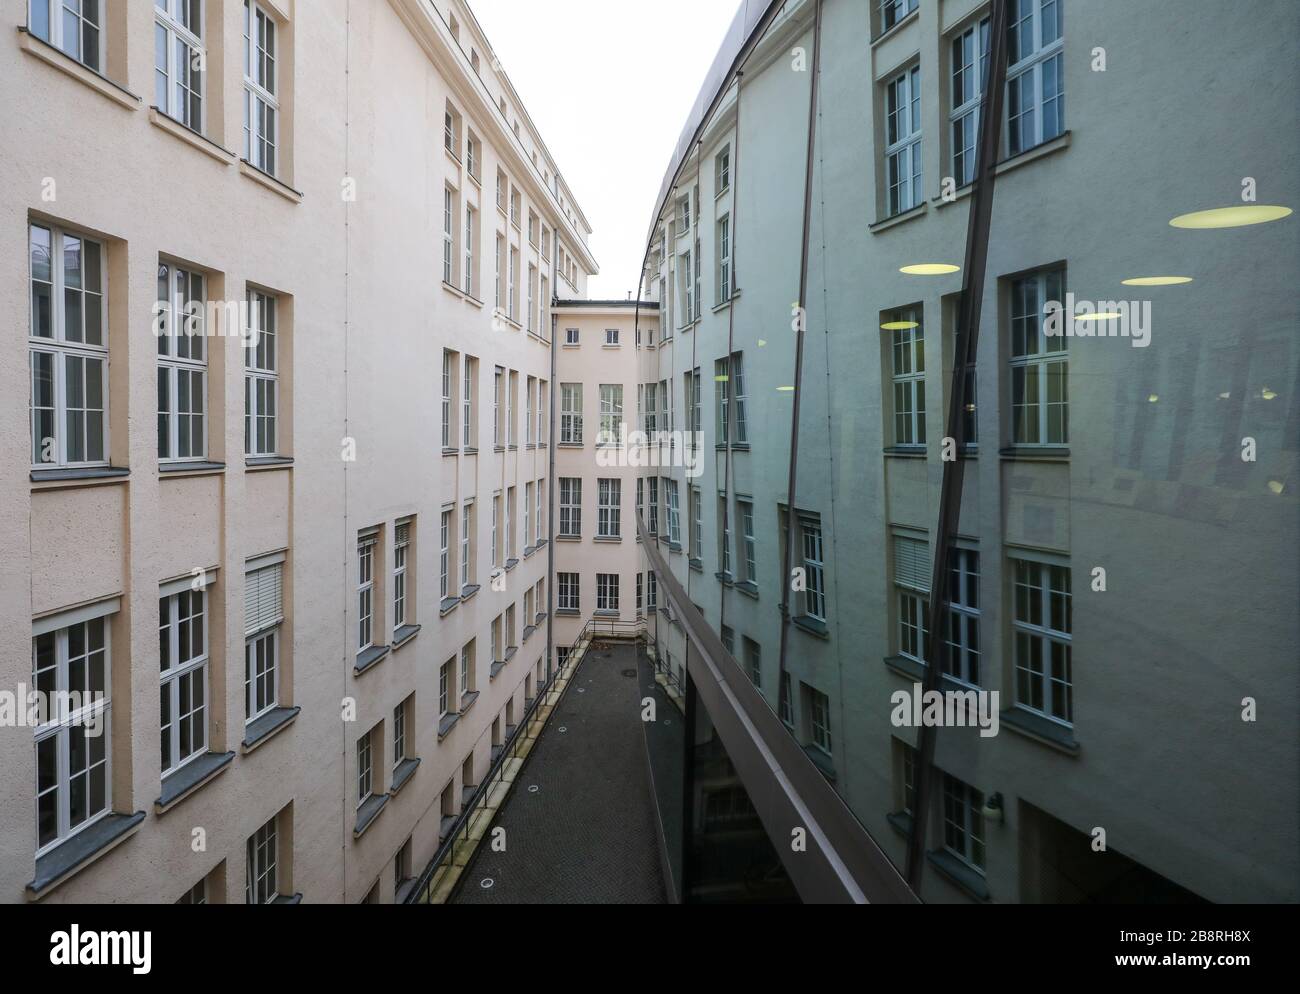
(191, 137)
(368, 812)
(261, 730)
(1042, 730)
(63, 475)
(402, 775)
(404, 635)
(189, 778)
(191, 468)
(80, 850)
(966, 877)
(63, 62)
(270, 182)
(369, 658)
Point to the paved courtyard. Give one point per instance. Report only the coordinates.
(586, 834)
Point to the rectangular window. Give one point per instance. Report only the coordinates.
(75, 28)
(970, 411)
(446, 687)
(365, 591)
(785, 706)
(903, 141)
(1040, 367)
(912, 567)
(512, 390)
(500, 268)
(571, 336)
(963, 822)
(819, 718)
(73, 786)
(470, 240)
(568, 587)
(261, 106)
(722, 171)
(182, 364)
(570, 413)
(448, 375)
(729, 376)
(261, 377)
(749, 557)
(511, 519)
(674, 517)
(400, 741)
(530, 391)
(651, 590)
(467, 679)
(474, 153)
(179, 60)
(608, 509)
(907, 353)
(467, 402)
(893, 11)
(697, 522)
(606, 591)
(496, 542)
(401, 551)
(365, 768)
(611, 413)
(724, 537)
(444, 555)
(68, 342)
(540, 532)
(466, 532)
(967, 91)
(1041, 626)
(542, 426)
(611, 336)
(263, 856)
(448, 235)
(724, 260)
(532, 296)
(753, 661)
(183, 665)
(963, 629)
(814, 570)
(528, 514)
(512, 285)
(652, 502)
(263, 614)
(498, 387)
(570, 507)
(686, 285)
(1035, 81)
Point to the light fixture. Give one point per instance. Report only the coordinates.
(993, 807)
(899, 326)
(721, 379)
(1157, 281)
(1231, 217)
(930, 269)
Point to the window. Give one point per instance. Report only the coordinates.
(1039, 364)
(401, 549)
(730, 379)
(514, 207)
(1041, 628)
(674, 522)
(400, 743)
(402, 861)
(819, 718)
(501, 191)
(967, 90)
(470, 238)
(183, 664)
(649, 396)
(467, 401)
(446, 687)
(908, 378)
(261, 377)
(814, 572)
(684, 215)
(540, 532)
(496, 639)
(532, 228)
(724, 538)
(179, 58)
(611, 336)
(528, 513)
(611, 413)
(496, 517)
(893, 11)
(1035, 81)
(467, 680)
(198, 894)
(722, 170)
(529, 392)
(68, 349)
(748, 557)
(606, 591)
(512, 391)
(499, 298)
(652, 522)
(728, 639)
(448, 235)
(365, 591)
(570, 507)
(570, 336)
(697, 521)
(694, 415)
(444, 555)
(753, 661)
(182, 364)
(963, 822)
(912, 567)
(263, 613)
(474, 152)
(448, 363)
(498, 386)
(651, 590)
(451, 131)
(260, 882)
(73, 787)
(903, 141)
(571, 413)
(541, 413)
(568, 586)
(75, 28)
(608, 512)
(510, 522)
(784, 705)
(963, 631)
(365, 768)
(532, 296)
(970, 412)
(686, 286)
(466, 534)
(724, 260)
(513, 285)
(261, 108)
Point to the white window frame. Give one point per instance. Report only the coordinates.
(469, 249)
(59, 729)
(467, 402)
(64, 352)
(262, 677)
(814, 561)
(893, 11)
(674, 515)
(365, 768)
(194, 669)
(178, 336)
(569, 588)
(401, 550)
(1037, 360)
(907, 380)
(904, 184)
(168, 20)
(724, 259)
(1033, 71)
(962, 632)
(747, 539)
(722, 171)
(611, 414)
(444, 554)
(261, 377)
(366, 545)
(448, 236)
(966, 74)
(262, 853)
(570, 413)
(963, 822)
(261, 107)
(1032, 581)
(447, 362)
(570, 506)
(74, 48)
(819, 720)
(607, 593)
(609, 500)
(466, 530)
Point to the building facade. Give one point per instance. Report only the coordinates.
(1124, 576)
(272, 528)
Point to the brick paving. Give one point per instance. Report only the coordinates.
(587, 834)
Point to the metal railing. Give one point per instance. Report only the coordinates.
(548, 695)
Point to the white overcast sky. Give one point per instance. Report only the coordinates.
(609, 84)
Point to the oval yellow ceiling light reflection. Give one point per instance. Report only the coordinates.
(899, 326)
(1276, 486)
(1268, 394)
(930, 269)
(1099, 316)
(785, 389)
(1157, 281)
(1153, 398)
(1231, 217)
